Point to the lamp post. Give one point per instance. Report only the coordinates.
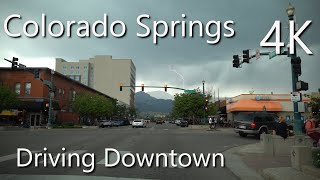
(204, 110)
(297, 116)
(51, 94)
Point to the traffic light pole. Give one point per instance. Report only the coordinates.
(297, 116)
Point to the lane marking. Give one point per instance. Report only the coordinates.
(14, 156)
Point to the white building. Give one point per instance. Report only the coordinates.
(103, 74)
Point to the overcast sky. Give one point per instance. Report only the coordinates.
(193, 58)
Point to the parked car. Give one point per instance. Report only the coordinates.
(254, 123)
(184, 123)
(159, 122)
(106, 123)
(116, 123)
(138, 123)
(177, 122)
(124, 122)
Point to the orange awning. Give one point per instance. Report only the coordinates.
(254, 105)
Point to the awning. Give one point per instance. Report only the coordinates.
(254, 105)
(8, 113)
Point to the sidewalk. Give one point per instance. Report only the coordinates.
(249, 162)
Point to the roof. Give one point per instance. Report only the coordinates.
(252, 105)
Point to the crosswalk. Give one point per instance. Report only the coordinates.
(112, 158)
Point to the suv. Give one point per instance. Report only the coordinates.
(255, 123)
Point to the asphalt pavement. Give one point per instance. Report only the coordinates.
(155, 138)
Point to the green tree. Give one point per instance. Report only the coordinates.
(315, 105)
(188, 105)
(8, 99)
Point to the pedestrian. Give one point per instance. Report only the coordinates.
(281, 128)
(215, 121)
(210, 122)
(312, 130)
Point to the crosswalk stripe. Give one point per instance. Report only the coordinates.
(14, 156)
(112, 157)
(67, 153)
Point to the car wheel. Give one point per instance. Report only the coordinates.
(243, 134)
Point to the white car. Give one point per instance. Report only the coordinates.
(139, 123)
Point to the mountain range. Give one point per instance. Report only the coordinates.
(145, 103)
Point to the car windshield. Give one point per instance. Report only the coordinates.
(137, 121)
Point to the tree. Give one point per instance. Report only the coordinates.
(93, 106)
(315, 105)
(188, 105)
(8, 99)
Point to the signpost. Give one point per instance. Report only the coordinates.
(272, 54)
(190, 91)
(296, 97)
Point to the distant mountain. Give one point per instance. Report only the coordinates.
(160, 95)
(146, 103)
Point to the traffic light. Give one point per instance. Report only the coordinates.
(302, 86)
(206, 101)
(236, 61)
(165, 88)
(120, 86)
(14, 63)
(36, 74)
(246, 56)
(142, 87)
(296, 65)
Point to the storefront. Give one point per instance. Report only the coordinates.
(280, 104)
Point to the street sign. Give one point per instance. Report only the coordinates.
(296, 97)
(257, 54)
(190, 91)
(272, 54)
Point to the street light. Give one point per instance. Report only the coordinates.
(290, 10)
(295, 78)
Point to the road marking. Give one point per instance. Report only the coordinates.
(67, 154)
(14, 156)
(112, 157)
(61, 177)
(166, 129)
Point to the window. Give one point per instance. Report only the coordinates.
(258, 119)
(85, 67)
(71, 72)
(71, 67)
(17, 88)
(64, 67)
(77, 72)
(77, 78)
(77, 67)
(27, 88)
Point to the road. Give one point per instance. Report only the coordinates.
(153, 139)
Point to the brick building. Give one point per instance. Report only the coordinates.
(34, 94)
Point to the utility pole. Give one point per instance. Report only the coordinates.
(204, 110)
(297, 116)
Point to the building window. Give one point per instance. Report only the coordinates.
(85, 67)
(71, 67)
(64, 67)
(17, 88)
(27, 88)
(71, 72)
(77, 72)
(77, 78)
(77, 67)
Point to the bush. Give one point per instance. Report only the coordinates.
(316, 157)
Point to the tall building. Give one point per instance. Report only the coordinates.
(103, 74)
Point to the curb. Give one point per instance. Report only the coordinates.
(238, 167)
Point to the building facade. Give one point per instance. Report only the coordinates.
(279, 104)
(103, 74)
(34, 94)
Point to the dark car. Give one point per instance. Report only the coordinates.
(254, 123)
(124, 122)
(184, 123)
(159, 122)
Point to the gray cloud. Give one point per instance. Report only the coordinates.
(192, 57)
